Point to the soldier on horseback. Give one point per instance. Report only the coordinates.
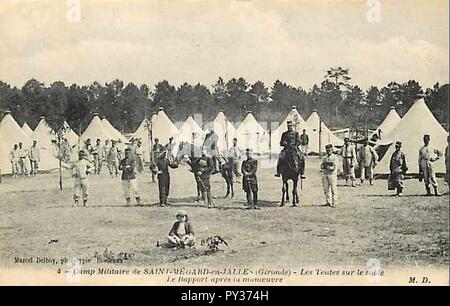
(290, 140)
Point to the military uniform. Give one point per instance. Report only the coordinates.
(163, 165)
(204, 167)
(427, 156)
(80, 171)
(304, 142)
(250, 181)
(290, 140)
(97, 157)
(129, 182)
(329, 179)
(349, 160)
(24, 161)
(34, 159)
(14, 159)
(234, 155)
(112, 159)
(367, 161)
(398, 167)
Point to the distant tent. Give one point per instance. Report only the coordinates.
(70, 135)
(10, 133)
(26, 128)
(142, 133)
(225, 130)
(315, 126)
(113, 131)
(96, 130)
(417, 122)
(190, 132)
(252, 135)
(388, 125)
(163, 128)
(299, 126)
(46, 142)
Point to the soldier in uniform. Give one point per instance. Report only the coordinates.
(97, 157)
(368, 158)
(349, 160)
(80, 172)
(304, 142)
(34, 158)
(162, 164)
(290, 140)
(129, 182)
(427, 156)
(112, 159)
(24, 160)
(249, 179)
(234, 156)
(329, 177)
(14, 159)
(210, 143)
(205, 167)
(398, 168)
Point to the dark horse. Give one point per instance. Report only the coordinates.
(193, 152)
(291, 166)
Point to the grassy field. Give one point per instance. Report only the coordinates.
(368, 223)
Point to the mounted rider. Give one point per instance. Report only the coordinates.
(290, 140)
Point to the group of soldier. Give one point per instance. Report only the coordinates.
(24, 161)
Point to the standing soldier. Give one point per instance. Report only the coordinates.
(210, 143)
(162, 164)
(170, 149)
(129, 181)
(87, 148)
(290, 140)
(120, 149)
(96, 154)
(24, 160)
(14, 159)
(204, 168)
(427, 156)
(80, 171)
(234, 155)
(34, 158)
(329, 177)
(304, 142)
(398, 168)
(349, 162)
(249, 179)
(112, 159)
(368, 158)
(139, 157)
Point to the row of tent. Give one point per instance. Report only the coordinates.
(250, 134)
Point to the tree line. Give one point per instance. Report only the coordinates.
(339, 103)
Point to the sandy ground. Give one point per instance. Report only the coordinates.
(368, 223)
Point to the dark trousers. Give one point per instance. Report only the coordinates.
(164, 187)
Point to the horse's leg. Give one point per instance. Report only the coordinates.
(287, 191)
(294, 193)
(231, 186)
(283, 193)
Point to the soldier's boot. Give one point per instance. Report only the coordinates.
(75, 203)
(400, 191)
(255, 201)
(371, 182)
(138, 201)
(436, 193)
(85, 204)
(428, 190)
(128, 202)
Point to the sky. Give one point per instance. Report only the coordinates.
(145, 41)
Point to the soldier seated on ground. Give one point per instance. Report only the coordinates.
(182, 231)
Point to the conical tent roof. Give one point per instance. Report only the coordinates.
(70, 135)
(26, 128)
(163, 128)
(225, 130)
(142, 133)
(10, 133)
(417, 122)
(252, 135)
(46, 143)
(299, 126)
(111, 130)
(315, 126)
(389, 124)
(190, 132)
(96, 130)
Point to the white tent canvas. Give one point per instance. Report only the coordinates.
(10, 133)
(225, 130)
(389, 124)
(163, 128)
(191, 132)
(315, 127)
(70, 135)
(299, 126)
(46, 142)
(110, 129)
(26, 128)
(251, 134)
(96, 130)
(417, 122)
